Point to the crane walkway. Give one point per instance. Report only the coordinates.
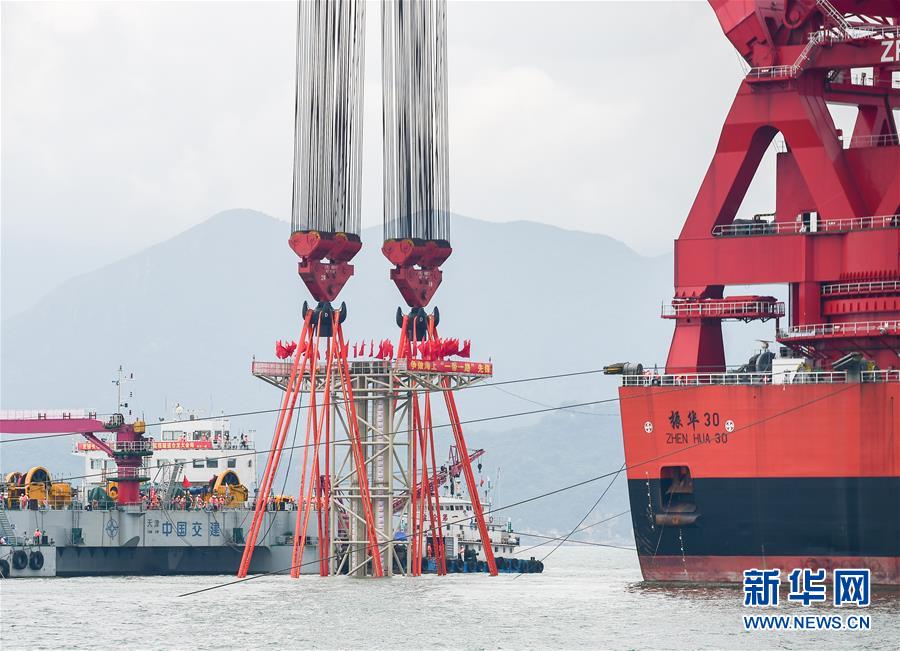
(842, 32)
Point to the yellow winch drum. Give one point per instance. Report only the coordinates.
(229, 486)
(37, 484)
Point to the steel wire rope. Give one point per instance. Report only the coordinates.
(270, 411)
(550, 539)
(555, 491)
(406, 431)
(584, 517)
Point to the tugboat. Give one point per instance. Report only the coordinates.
(461, 540)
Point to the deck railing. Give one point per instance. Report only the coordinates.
(874, 287)
(46, 414)
(872, 141)
(793, 377)
(881, 376)
(700, 379)
(722, 309)
(823, 226)
(858, 328)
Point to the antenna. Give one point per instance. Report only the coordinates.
(120, 380)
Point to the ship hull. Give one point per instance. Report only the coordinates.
(134, 541)
(727, 478)
(137, 561)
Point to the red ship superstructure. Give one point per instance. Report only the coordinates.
(791, 459)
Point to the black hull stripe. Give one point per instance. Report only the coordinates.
(845, 516)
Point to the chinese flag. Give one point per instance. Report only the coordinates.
(185, 483)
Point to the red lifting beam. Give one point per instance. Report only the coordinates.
(416, 271)
(325, 260)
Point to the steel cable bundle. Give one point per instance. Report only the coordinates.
(414, 84)
(328, 107)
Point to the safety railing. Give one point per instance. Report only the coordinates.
(842, 31)
(727, 309)
(865, 79)
(283, 369)
(702, 379)
(45, 414)
(853, 329)
(117, 446)
(822, 225)
(874, 287)
(127, 472)
(885, 140)
(881, 376)
(774, 72)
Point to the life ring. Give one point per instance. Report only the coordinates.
(19, 559)
(36, 560)
(4, 569)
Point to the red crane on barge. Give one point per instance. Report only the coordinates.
(791, 459)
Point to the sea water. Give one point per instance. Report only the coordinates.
(587, 597)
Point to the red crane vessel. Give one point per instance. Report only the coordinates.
(791, 459)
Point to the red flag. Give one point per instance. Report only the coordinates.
(185, 483)
(466, 350)
(290, 348)
(389, 349)
(279, 350)
(450, 347)
(372, 348)
(355, 349)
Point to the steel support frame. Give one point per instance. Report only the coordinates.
(831, 180)
(383, 395)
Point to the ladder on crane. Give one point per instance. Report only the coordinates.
(851, 31)
(848, 32)
(6, 527)
(169, 488)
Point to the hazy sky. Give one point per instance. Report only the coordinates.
(126, 123)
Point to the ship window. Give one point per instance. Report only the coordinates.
(212, 463)
(676, 488)
(232, 463)
(198, 463)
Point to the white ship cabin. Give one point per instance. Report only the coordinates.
(461, 531)
(196, 448)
